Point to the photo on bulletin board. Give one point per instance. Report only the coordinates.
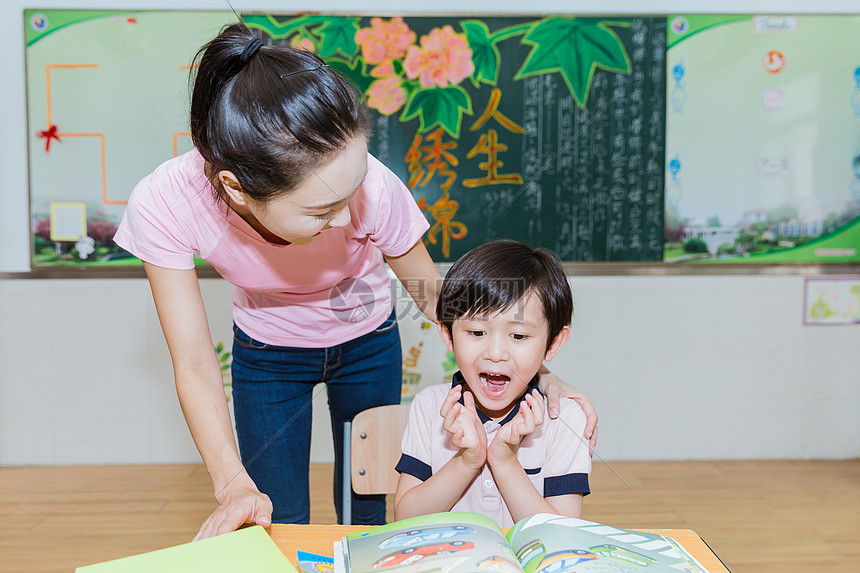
(831, 300)
(763, 139)
(546, 130)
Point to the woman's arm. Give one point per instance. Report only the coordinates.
(201, 395)
(419, 276)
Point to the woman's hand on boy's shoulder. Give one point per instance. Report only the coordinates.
(555, 389)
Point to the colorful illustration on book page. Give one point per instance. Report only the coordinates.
(313, 563)
(831, 300)
(554, 544)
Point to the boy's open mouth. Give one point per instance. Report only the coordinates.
(494, 384)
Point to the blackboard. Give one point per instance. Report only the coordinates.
(555, 137)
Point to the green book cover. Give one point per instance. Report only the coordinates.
(249, 549)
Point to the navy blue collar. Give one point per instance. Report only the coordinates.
(533, 385)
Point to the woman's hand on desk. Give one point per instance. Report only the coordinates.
(237, 504)
(554, 389)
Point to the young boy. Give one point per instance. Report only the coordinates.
(484, 444)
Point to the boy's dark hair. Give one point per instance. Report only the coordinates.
(270, 114)
(494, 276)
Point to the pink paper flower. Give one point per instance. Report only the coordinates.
(386, 95)
(384, 41)
(303, 43)
(444, 57)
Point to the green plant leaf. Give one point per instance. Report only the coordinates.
(575, 48)
(438, 106)
(485, 55)
(338, 35)
(219, 348)
(225, 357)
(225, 367)
(355, 72)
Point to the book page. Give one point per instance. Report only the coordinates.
(547, 543)
(440, 543)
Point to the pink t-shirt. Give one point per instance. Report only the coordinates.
(325, 293)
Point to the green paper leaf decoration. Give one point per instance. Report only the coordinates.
(438, 106)
(485, 55)
(574, 48)
(338, 35)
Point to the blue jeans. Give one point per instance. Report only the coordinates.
(272, 393)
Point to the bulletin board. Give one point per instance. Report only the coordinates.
(107, 102)
(763, 139)
(596, 137)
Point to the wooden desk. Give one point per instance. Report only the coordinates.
(319, 538)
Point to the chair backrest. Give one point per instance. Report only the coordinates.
(375, 445)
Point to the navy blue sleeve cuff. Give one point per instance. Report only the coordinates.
(563, 485)
(414, 467)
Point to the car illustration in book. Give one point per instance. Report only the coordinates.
(417, 536)
(621, 554)
(414, 554)
(564, 561)
(531, 555)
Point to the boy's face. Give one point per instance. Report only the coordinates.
(499, 354)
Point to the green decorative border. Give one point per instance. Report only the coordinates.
(700, 23)
(58, 19)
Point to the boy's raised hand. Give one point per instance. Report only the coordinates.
(507, 441)
(462, 421)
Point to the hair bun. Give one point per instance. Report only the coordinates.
(253, 46)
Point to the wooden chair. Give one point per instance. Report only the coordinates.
(371, 450)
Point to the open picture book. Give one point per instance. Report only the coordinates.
(543, 543)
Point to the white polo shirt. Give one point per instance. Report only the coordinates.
(555, 456)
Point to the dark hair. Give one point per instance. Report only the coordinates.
(494, 276)
(270, 114)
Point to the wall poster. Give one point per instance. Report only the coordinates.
(763, 139)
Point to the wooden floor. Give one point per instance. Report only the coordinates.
(758, 516)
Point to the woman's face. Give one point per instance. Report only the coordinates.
(320, 202)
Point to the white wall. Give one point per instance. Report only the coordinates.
(683, 367)
(679, 367)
